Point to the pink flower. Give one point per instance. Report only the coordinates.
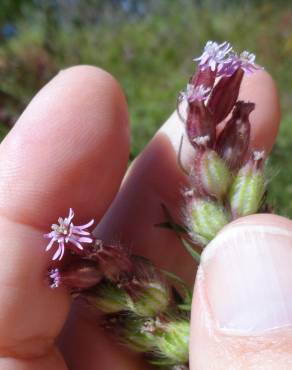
(222, 59)
(214, 55)
(245, 61)
(193, 93)
(55, 278)
(65, 233)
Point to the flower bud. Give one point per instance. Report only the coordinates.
(152, 298)
(78, 276)
(248, 188)
(233, 142)
(200, 124)
(205, 219)
(113, 260)
(210, 175)
(224, 96)
(108, 298)
(139, 334)
(173, 344)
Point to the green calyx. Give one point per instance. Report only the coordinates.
(215, 175)
(109, 298)
(247, 191)
(137, 333)
(173, 344)
(207, 218)
(153, 299)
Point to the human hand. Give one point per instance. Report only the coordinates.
(70, 149)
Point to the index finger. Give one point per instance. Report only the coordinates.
(59, 155)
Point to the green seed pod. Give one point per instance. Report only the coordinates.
(247, 190)
(211, 175)
(108, 298)
(205, 218)
(153, 299)
(173, 344)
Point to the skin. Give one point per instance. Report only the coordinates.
(70, 149)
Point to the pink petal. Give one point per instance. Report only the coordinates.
(70, 216)
(213, 65)
(84, 239)
(204, 58)
(49, 246)
(49, 235)
(75, 242)
(80, 232)
(63, 251)
(86, 225)
(57, 253)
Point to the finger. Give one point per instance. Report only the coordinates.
(58, 155)
(155, 178)
(242, 307)
(68, 148)
(52, 360)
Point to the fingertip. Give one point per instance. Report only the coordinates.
(71, 140)
(242, 312)
(68, 149)
(96, 80)
(261, 219)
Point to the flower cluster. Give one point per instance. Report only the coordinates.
(136, 299)
(221, 58)
(148, 309)
(226, 178)
(214, 55)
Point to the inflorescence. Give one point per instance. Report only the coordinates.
(148, 309)
(67, 234)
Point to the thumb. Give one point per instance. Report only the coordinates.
(242, 307)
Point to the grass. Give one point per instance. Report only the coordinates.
(151, 57)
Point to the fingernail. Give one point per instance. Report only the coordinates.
(248, 278)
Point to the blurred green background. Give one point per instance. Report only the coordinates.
(148, 46)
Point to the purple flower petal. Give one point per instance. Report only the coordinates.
(49, 246)
(80, 232)
(214, 55)
(76, 243)
(58, 253)
(49, 235)
(55, 278)
(71, 215)
(62, 251)
(83, 239)
(90, 223)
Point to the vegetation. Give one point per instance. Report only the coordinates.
(148, 46)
